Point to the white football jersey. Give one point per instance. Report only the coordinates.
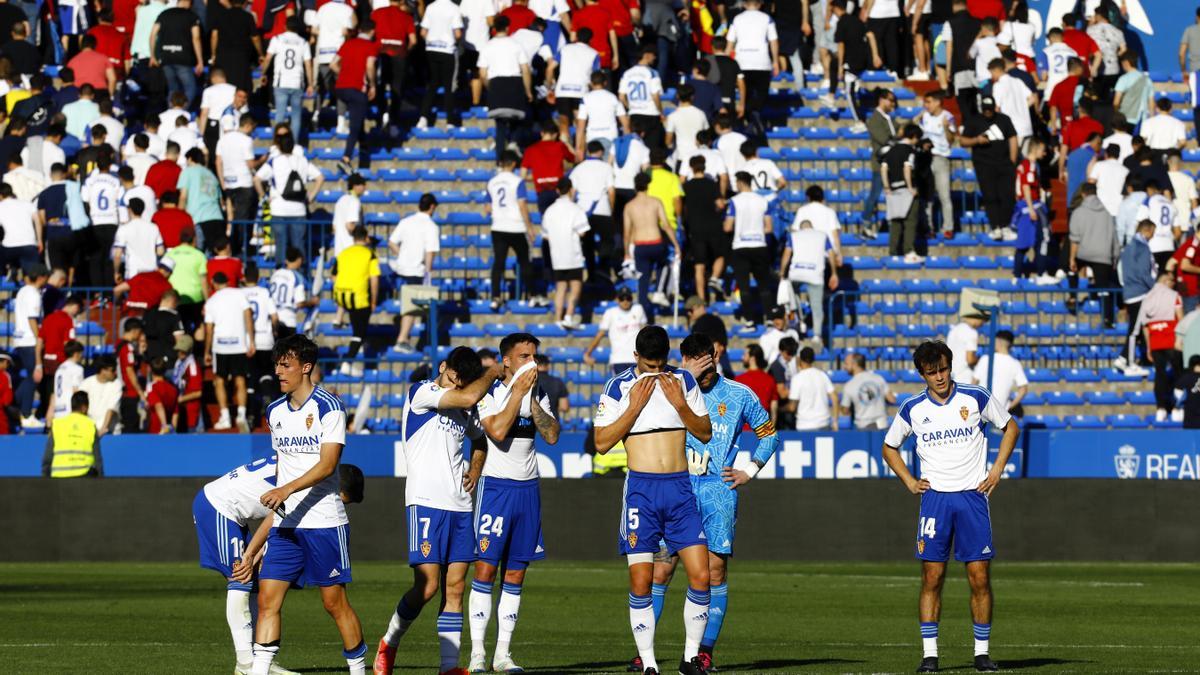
(236, 494)
(287, 291)
(433, 449)
(297, 437)
(102, 193)
(67, 379)
(1162, 212)
(951, 438)
(640, 85)
(515, 458)
(507, 190)
(659, 414)
(262, 306)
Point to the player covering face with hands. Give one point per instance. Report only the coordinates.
(949, 421)
(438, 415)
(652, 408)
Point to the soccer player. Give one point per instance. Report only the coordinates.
(714, 480)
(438, 415)
(651, 408)
(308, 542)
(220, 512)
(508, 518)
(949, 421)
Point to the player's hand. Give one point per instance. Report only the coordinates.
(698, 463)
(38, 371)
(243, 570)
(250, 351)
(208, 360)
(273, 499)
(698, 366)
(640, 392)
(989, 483)
(878, 62)
(735, 477)
(918, 487)
(806, 28)
(672, 388)
(470, 478)
(525, 382)
(589, 359)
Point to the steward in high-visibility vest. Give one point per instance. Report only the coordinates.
(73, 446)
(614, 461)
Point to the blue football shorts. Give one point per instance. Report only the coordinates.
(959, 517)
(659, 506)
(317, 556)
(508, 522)
(439, 537)
(221, 538)
(718, 510)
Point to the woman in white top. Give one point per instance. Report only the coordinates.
(1020, 31)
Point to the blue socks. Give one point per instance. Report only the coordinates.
(658, 593)
(719, 601)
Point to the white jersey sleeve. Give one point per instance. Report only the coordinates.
(900, 429)
(994, 412)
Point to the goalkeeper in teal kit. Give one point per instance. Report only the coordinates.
(731, 405)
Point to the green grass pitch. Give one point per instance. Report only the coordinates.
(783, 618)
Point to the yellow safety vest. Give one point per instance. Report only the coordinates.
(613, 459)
(74, 439)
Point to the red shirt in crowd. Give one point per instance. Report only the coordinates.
(165, 393)
(596, 19)
(519, 16)
(353, 55)
(189, 380)
(146, 290)
(1027, 175)
(57, 328)
(1084, 46)
(124, 17)
(1189, 282)
(393, 26)
(6, 399)
(763, 385)
(163, 176)
(232, 267)
(90, 67)
(618, 11)
(171, 221)
(982, 9)
(544, 160)
(1078, 130)
(127, 359)
(112, 43)
(1063, 99)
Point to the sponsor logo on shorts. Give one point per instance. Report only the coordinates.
(334, 573)
(964, 413)
(632, 539)
(309, 420)
(484, 543)
(425, 548)
(987, 550)
(920, 546)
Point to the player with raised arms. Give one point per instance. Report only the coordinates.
(220, 512)
(652, 407)
(508, 509)
(949, 421)
(308, 542)
(438, 415)
(714, 480)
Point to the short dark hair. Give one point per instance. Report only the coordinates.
(220, 279)
(136, 206)
(250, 273)
(755, 352)
(583, 35)
(815, 193)
(350, 482)
(652, 343)
(1006, 335)
(641, 182)
(859, 359)
(696, 345)
(104, 362)
(465, 363)
(513, 339)
(428, 201)
(170, 197)
(564, 185)
(788, 345)
(298, 345)
(930, 355)
(807, 355)
(293, 254)
(72, 348)
(79, 400)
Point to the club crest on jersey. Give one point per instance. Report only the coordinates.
(425, 548)
(721, 408)
(964, 413)
(920, 546)
(632, 539)
(309, 420)
(484, 543)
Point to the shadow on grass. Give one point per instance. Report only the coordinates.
(774, 664)
(587, 667)
(1022, 664)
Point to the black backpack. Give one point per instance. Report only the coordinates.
(293, 187)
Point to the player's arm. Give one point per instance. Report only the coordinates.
(325, 467)
(768, 442)
(243, 569)
(608, 435)
(165, 424)
(546, 424)
(248, 321)
(697, 425)
(587, 353)
(899, 431)
(478, 457)
(498, 425)
(468, 396)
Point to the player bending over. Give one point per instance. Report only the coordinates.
(714, 480)
(652, 407)
(437, 416)
(949, 421)
(508, 518)
(308, 542)
(220, 513)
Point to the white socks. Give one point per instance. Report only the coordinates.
(237, 615)
(264, 655)
(356, 659)
(449, 627)
(506, 616)
(929, 636)
(479, 607)
(641, 621)
(695, 618)
(402, 618)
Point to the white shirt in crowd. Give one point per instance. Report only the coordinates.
(562, 225)
(507, 191)
(347, 213)
(809, 250)
(67, 379)
(441, 19)
(984, 50)
(103, 397)
(751, 34)
(576, 63)
(622, 327)
(334, 20)
(730, 146)
(288, 292)
(502, 57)
(770, 341)
(276, 172)
(225, 310)
(1109, 176)
(476, 14)
(823, 219)
(685, 122)
(16, 217)
(28, 305)
(749, 211)
(262, 309)
(593, 178)
(1163, 132)
(289, 52)
(101, 192)
(637, 155)
(1160, 211)
(811, 389)
(765, 172)
(416, 235)
(640, 85)
(215, 99)
(935, 128)
(236, 151)
(1012, 99)
(602, 112)
(1007, 377)
(1056, 57)
(141, 241)
(962, 339)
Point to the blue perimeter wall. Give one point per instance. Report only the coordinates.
(1040, 453)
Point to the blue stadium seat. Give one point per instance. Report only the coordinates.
(546, 330)
(502, 329)
(1080, 375)
(1140, 397)
(410, 154)
(1104, 398)
(783, 134)
(1124, 421)
(1062, 398)
(1044, 422)
(1041, 375)
(436, 175)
